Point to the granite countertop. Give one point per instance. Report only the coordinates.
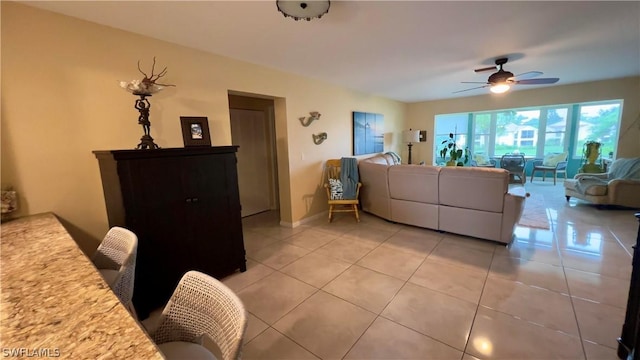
(54, 301)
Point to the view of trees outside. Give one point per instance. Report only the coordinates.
(456, 124)
(556, 130)
(516, 132)
(599, 123)
(482, 134)
(519, 130)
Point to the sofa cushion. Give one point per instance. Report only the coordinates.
(379, 159)
(473, 187)
(482, 159)
(552, 160)
(414, 183)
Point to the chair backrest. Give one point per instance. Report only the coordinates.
(202, 305)
(332, 169)
(512, 162)
(557, 160)
(118, 251)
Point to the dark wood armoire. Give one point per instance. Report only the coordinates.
(184, 206)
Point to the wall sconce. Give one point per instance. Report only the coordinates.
(318, 139)
(307, 121)
(410, 137)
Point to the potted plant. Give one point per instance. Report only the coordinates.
(457, 157)
(591, 152)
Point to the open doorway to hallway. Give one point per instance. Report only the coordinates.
(253, 130)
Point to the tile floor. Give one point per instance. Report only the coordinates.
(378, 290)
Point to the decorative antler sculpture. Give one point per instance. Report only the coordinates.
(145, 88)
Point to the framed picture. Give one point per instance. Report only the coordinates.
(368, 133)
(195, 131)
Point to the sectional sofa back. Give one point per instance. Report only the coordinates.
(414, 183)
(473, 188)
(374, 194)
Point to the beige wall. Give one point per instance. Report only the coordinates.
(61, 101)
(421, 115)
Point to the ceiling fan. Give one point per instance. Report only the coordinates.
(501, 81)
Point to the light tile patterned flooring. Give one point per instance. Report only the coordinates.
(378, 290)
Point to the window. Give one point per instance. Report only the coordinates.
(526, 138)
(598, 122)
(533, 132)
(516, 132)
(556, 120)
(482, 138)
(456, 124)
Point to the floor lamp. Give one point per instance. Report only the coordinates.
(410, 137)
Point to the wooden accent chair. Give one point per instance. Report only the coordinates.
(553, 163)
(334, 191)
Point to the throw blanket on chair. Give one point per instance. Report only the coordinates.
(349, 177)
(620, 169)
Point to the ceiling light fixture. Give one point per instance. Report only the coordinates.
(303, 9)
(499, 88)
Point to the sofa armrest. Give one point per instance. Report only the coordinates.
(624, 192)
(513, 208)
(603, 176)
(537, 162)
(562, 165)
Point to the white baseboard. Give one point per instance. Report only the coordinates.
(309, 219)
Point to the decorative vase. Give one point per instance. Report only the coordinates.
(591, 153)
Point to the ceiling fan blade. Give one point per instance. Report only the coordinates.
(473, 82)
(473, 88)
(493, 68)
(537, 81)
(528, 75)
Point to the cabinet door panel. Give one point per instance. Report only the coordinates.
(157, 212)
(215, 216)
(184, 206)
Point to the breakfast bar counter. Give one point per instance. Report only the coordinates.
(54, 301)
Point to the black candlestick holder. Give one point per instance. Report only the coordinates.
(144, 106)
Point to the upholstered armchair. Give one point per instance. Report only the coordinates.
(620, 186)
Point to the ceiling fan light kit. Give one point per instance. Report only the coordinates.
(306, 10)
(501, 81)
(500, 88)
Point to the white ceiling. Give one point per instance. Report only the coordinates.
(404, 50)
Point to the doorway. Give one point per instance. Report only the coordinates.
(253, 130)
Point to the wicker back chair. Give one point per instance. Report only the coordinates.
(515, 164)
(201, 306)
(115, 258)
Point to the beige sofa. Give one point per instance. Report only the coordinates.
(469, 201)
(620, 186)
